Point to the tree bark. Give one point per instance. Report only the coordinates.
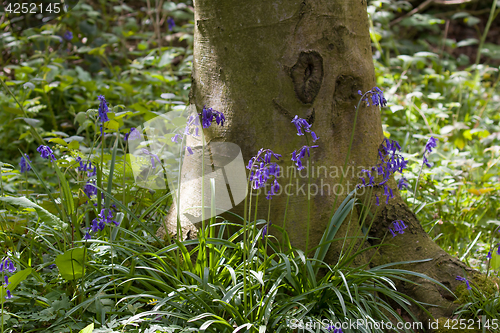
(262, 62)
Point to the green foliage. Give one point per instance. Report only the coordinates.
(125, 278)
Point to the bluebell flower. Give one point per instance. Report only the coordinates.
(7, 266)
(431, 143)
(402, 183)
(377, 97)
(68, 35)
(489, 255)
(390, 162)
(263, 169)
(459, 278)
(190, 151)
(498, 250)
(303, 124)
(91, 170)
(335, 330)
(25, 167)
(264, 230)
(153, 157)
(104, 217)
(171, 23)
(398, 226)
(133, 134)
(46, 152)
(103, 109)
(6, 279)
(87, 236)
(9, 295)
(298, 156)
(175, 138)
(208, 116)
(90, 189)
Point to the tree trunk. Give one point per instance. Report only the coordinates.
(262, 62)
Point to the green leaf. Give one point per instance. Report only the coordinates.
(495, 261)
(68, 196)
(70, 263)
(44, 215)
(59, 141)
(14, 280)
(88, 329)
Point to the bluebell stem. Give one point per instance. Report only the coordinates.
(459, 278)
(46, 152)
(103, 109)
(25, 167)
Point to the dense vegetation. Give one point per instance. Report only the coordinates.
(78, 236)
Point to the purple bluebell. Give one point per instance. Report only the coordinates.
(303, 124)
(25, 167)
(171, 23)
(298, 156)
(263, 169)
(431, 143)
(6, 279)
(190, 151)
(104, 217)
(335, 330)
(498, 250)
(489, 255)
(459, 278)
(46, 152)
(91, 170)
(90, 189)
(9, 295)
(376, 96)
(176, 138)
(103, 109)
(133, 134)
(153, 157)
(68, 35)
(398, 226)
(264, 230)
(87, 236)
(208, 116)
(390, 162)
(402, 183)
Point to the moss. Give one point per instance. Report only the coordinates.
(486, 286)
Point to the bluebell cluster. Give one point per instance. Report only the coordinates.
(90, 189)
(91, 170)
(171, 23)
(431, 143)
(25, 167)
(105, 217)
(7, 266)
(302, 124)
(103, 109)
(262, 169)
(153, 157)
(390, 163)
(46, 152)
(459, 278)
(375, 95)
(208, 116)
(398, 227)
